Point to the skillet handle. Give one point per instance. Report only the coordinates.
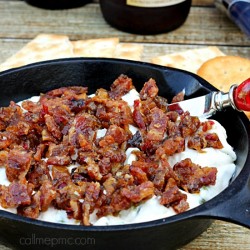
(233, 207)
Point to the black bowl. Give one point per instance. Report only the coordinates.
(233, 204)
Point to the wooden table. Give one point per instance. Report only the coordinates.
(205, 26)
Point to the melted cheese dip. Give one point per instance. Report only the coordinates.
(223, 159)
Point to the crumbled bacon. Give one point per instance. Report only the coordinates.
(192, 176)
(38, 145)
(18, 164)
(172, 196)
(17, 193)
(121, 86)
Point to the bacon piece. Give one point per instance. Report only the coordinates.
(172, 196)
(86, 124)
(114, 134)
(110, 185)
(91, 196)
(158, 125)
(121, 86)
(171, 146)
(48, 194)
(162, 103)
(32, 210)
(84, 143)
(192, 177)
(47, 136)
(78, 92)
(204, 140)
(32, 107)
(40, 150)
(140, 192)
(138, 116)
(61, 176)
(77, 106)
(6, 139)
(59, 154)
(114, 112)
(179, 97)
(162, 174)
(114, 153)
(10, 114)
(19, 128)
(53, 128)
(66, 193)
(91, 168)
(18, 164)
(197, 142)
(38, 173)
(173, 129)
(139, 175)
(149, 90)
(75, 210)
(60, 160)
(207, 125)
(213, 141)
(3, 158)
(189, 124)
(15, 194)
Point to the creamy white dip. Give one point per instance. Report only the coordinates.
(223, 159)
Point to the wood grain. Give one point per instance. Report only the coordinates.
(222, 236)
(203, 26)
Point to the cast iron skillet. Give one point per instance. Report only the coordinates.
(233, 204)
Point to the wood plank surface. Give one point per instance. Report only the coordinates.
(205, 26)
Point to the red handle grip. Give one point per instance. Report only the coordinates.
(241, 96)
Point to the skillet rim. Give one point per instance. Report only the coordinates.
(190, 214)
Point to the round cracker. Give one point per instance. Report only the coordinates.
(224, 71)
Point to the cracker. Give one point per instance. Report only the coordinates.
(224, 71)
(131, 51)
(189, 60)
(42, 47)
(101, 47)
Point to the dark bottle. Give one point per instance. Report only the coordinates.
(145, 16)
(57, 4)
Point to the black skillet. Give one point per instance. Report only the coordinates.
(232, 205)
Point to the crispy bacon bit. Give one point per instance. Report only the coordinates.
(197, 142)
(53, 128)
(38, 145)
(138, 116)
(113, 135)
(149, 90)
(121, 86)
(15, 194)
(179, 97)
(158, 125)
(48, 194)
(172, 196)
(213, 141)
(32, 210)
(18, 164)
(171, 146)
(38, 173)
(140, 192)
(201, 141)
(192, 177)
(189, 124)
